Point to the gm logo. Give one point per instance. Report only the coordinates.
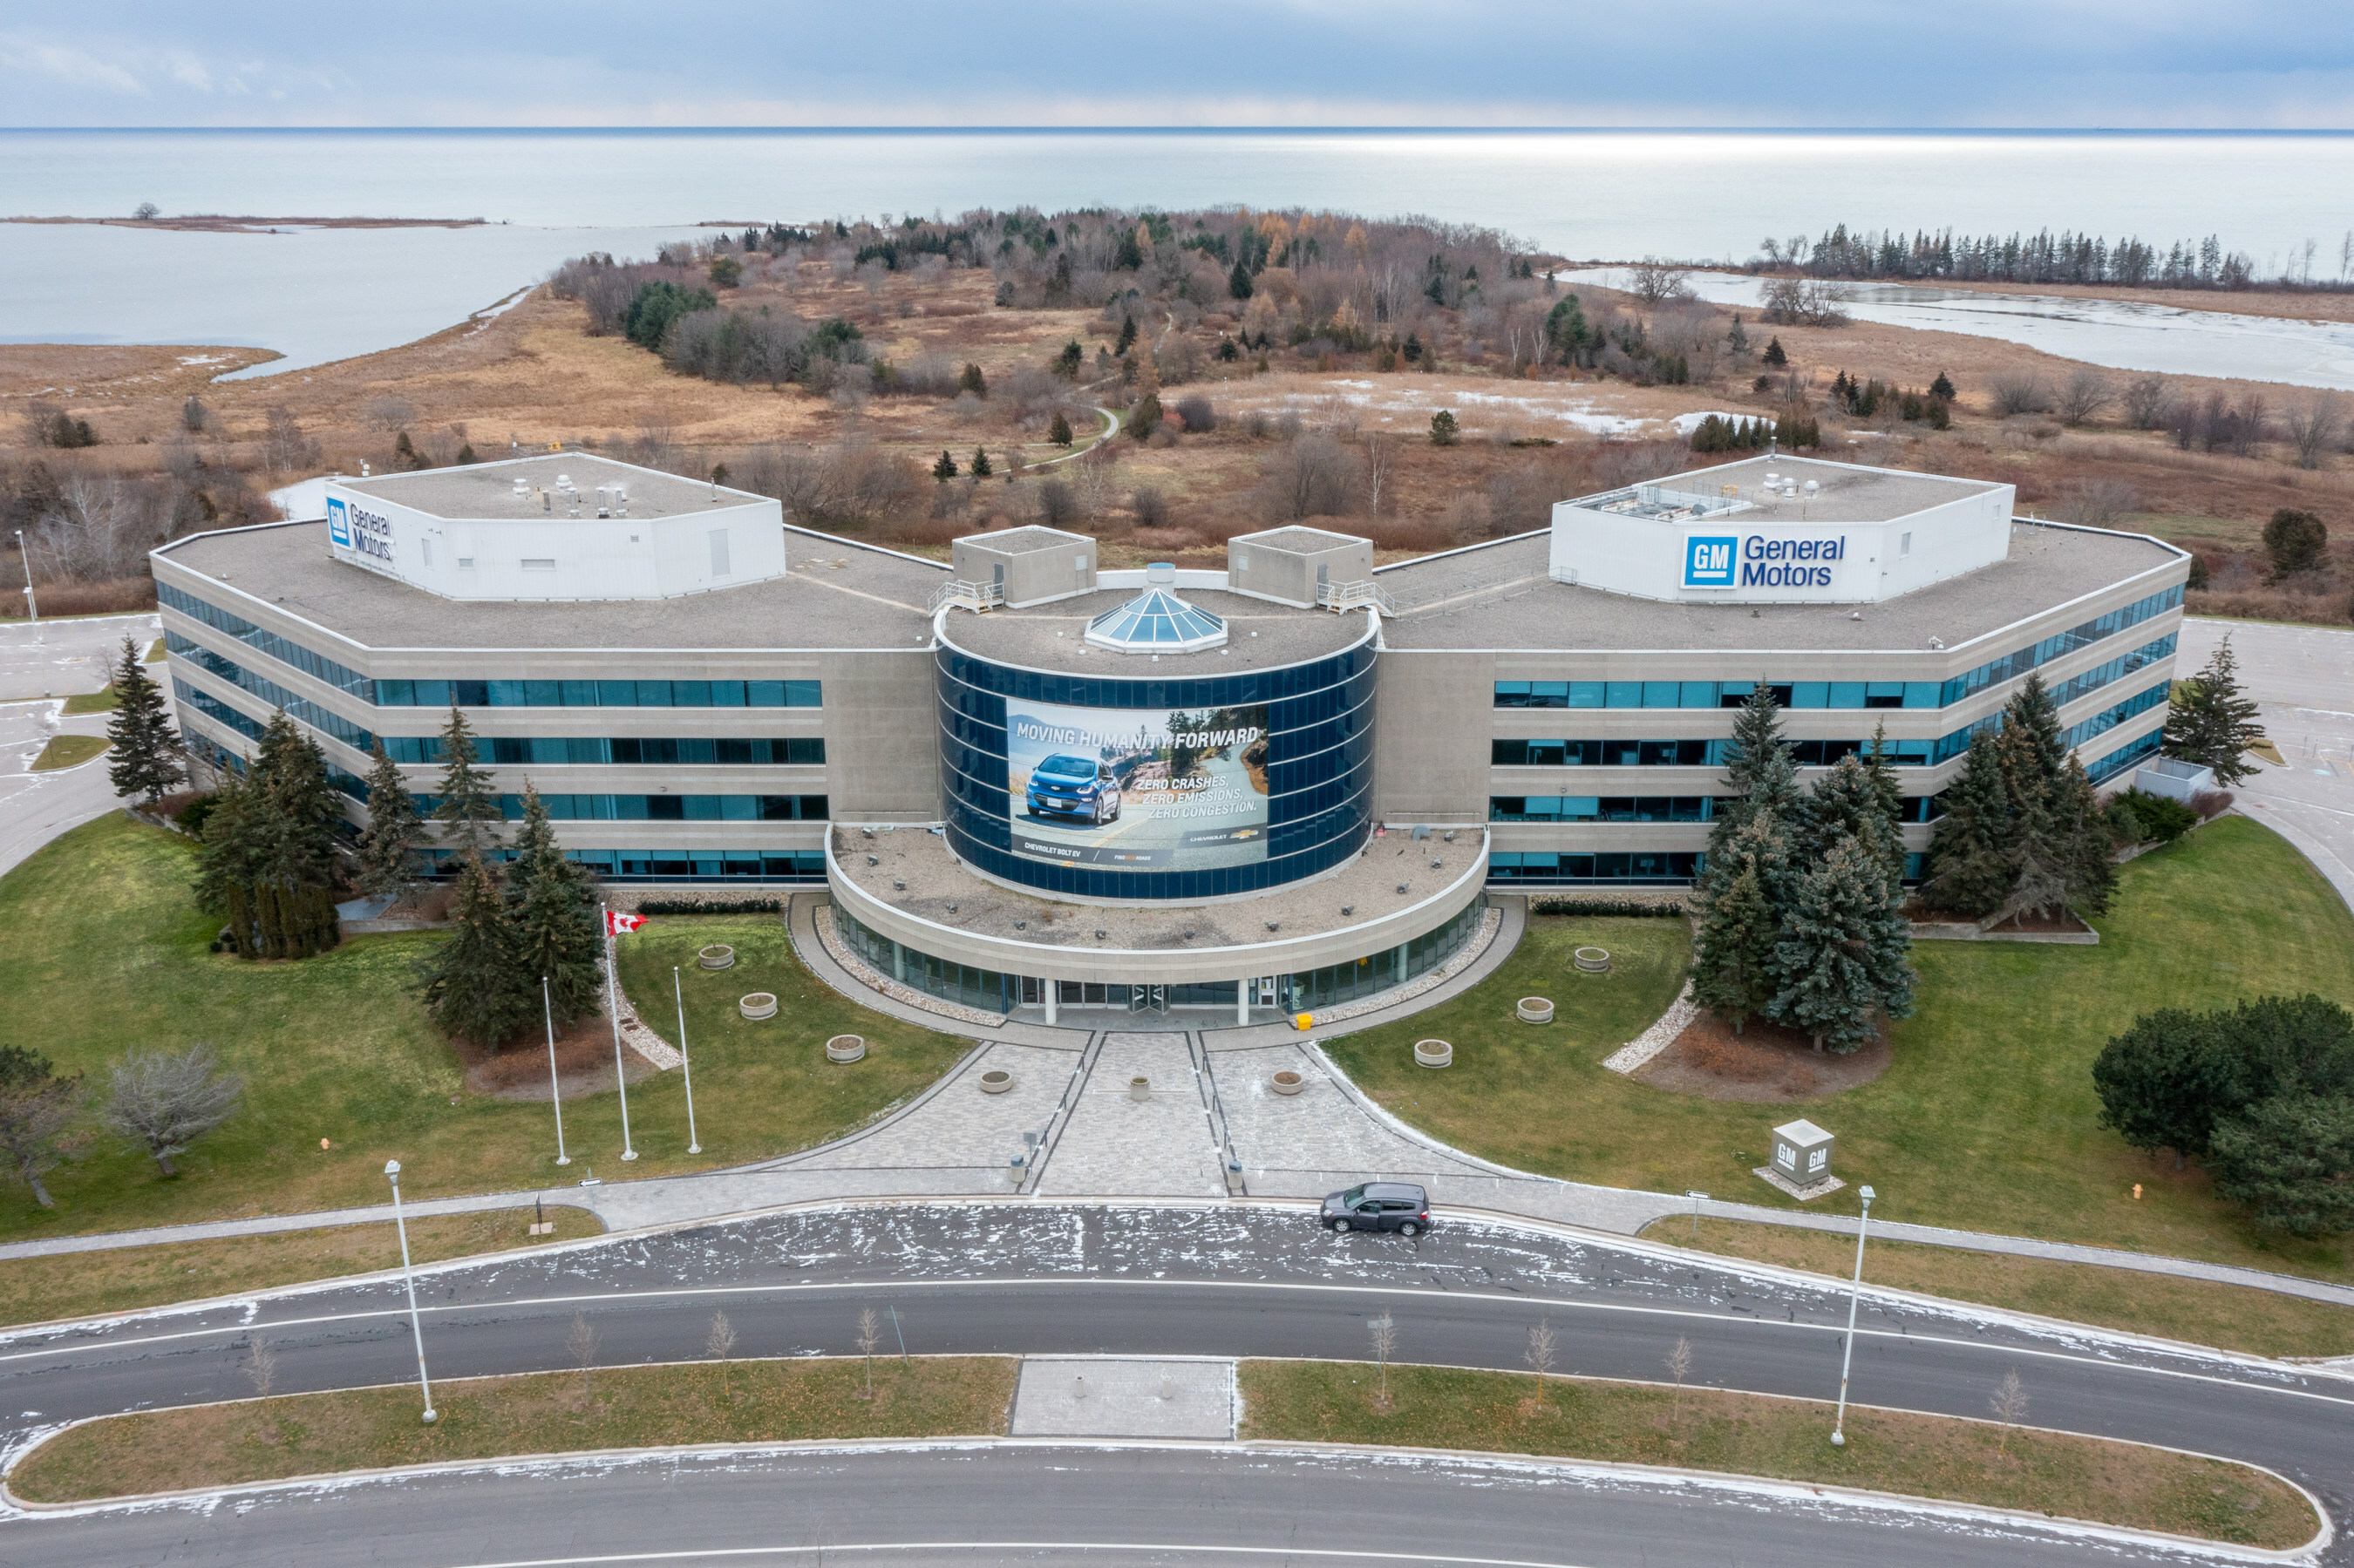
(339, 524)
(1708, 560)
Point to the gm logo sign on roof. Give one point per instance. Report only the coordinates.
(339, 524)
(1708, 560)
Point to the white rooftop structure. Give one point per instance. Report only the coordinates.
(1157, 620)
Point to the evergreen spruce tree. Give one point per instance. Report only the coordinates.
(296, 866)
(1758, 773)
(973, 381)
(1059, 431)
(467, 802)
(2209, 722)
(1127, 336)
(1775, 354)
(2083, 829)
(552, 906)
(145, 755)
(2042, 850)
(1942, 387)
(980, 469)
(946, 469)
(1238, 282)
(1968, 867)
(392, 833)
(1844, 952)
(1847, 803)
(1732, 967)
(473, 983)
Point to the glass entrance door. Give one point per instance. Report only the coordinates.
(1148, 999)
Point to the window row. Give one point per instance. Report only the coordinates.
(2102, 723)
(2129, 754)
(2116, 669)
(1613, 865)
(1687, 753)
(599, 694)
(1833, 694)
(660, 807)
(1293, 681)
(674, 865)
(316, 666)
(324, 720)
(1601, 808)
(510, 750)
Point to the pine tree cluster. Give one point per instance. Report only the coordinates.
(1800, 899)
(485, 984)
(2023, 832)
(268, 862)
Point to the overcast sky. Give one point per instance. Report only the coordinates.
(2079, 63)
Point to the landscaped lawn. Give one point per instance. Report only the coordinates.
(105, 950)
(68, 751)
(1986, 1120)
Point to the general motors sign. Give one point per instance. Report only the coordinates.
(1757, 561)
(339, 524)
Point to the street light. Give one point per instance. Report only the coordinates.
(1697, 1197)
(32, 604)
(686, 1067)
(392, 1174)
(555, 1090)
(1838, 1424)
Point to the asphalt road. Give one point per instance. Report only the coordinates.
(1206, 1281)
(62, 657)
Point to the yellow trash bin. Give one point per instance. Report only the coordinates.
(1303, 1020)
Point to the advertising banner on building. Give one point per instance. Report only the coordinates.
(1167, 789)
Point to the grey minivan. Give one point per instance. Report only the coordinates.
(1398, 1207)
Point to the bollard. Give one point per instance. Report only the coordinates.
(1079, 1388)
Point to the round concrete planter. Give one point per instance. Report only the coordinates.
(1535, 1010)
(760, 1004)
(1288, 1083)
(1432, 1054)
(1140, 1090)
(721, 957)
(1591, 960)
(845, 1048)
(996, 1080)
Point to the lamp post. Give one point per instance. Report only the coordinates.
(555, 1090)
(613, 1010)
(686, 1067)
(1697, 1197)
(32, 603)
(1847, 1356)
(392, 1174)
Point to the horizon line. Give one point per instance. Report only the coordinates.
(987, 128)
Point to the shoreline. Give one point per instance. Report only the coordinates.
(220, 223)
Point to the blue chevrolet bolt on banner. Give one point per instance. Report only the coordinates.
(1709, 560)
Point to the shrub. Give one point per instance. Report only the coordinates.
(1151, 507)
(712, 906)
(1634, 908)
(2020, 393)
(1199, 416)
(2295, 540)
(2157, 817)
(1444, 431)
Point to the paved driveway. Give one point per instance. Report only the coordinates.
(2304, 676)
(58, 659)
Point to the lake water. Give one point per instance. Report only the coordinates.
(2121, 335)
(1605, 195)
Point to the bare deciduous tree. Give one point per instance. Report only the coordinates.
(2098, 504)
(1540, 1356)
(166, 1100)
(389, 413)
(1381, 460)
(2084, 394)
(284, 448)
(1655, 281)
(1315, 476)
(2009, 1403)
(1679, 1366)
(2313, 427)
(716, 1343)
(2149, 403)
(1150, 507)
(2020, 392)
(870, 1334)
(582, 1345)
(261, 1369)
(1804, 301)
(1384, 1330)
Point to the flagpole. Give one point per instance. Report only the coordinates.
(555, 1090)
(613, 1007)
(685, 1067)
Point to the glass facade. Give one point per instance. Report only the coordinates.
(506, 750)
(1625, 865)
(1601, 808)
(675, 864)
(1319, 723)
(2131, 755)
(1835, 694)
(995, 991)
(324, 720)
(293, 654)
(660, 807)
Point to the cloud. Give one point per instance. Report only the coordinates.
(63, 63)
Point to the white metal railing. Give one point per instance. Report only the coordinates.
(1338, 596)
(974, 597)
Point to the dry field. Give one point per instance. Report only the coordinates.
(532, 377)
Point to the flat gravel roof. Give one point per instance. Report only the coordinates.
(835, 595)
(1849, 494)
(1260, 635)
(486, 491)
(1499, 596)
(1366, 884)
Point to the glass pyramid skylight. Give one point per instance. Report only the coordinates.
(1157, 620)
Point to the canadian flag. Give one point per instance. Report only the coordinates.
(618, 924)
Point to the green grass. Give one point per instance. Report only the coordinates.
(106, 951)
(98, 701)
(68, 751)
(84, 1284)
(1751, 1435)
(2230, 1317)
(543, 1413)
(1986, 1120)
